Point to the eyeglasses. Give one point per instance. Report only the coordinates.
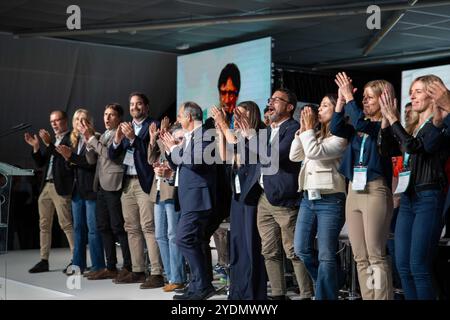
(228, 92)
(276, 99)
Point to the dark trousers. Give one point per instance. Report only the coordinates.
(110, 223)
(190, 238)
(248, 279)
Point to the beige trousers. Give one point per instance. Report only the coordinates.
(139, 224)
(48, 201)
(368, 214)
(276, 227)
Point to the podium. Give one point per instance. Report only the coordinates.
(7, 172)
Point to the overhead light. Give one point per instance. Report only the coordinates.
(183, 46)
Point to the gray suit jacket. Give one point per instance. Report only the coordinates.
(108, 173)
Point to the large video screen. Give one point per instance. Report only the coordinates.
(198, 75)
(409, 75)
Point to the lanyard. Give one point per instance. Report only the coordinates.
(407, 155)
(361, 152)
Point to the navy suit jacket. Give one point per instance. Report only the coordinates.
(196, 180)
(140, 145)
(281, 189)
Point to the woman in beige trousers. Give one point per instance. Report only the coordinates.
(369, 203)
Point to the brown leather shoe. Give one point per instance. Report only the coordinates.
(172, 286)
(122, 274)
(132, 277)
(103, 274)
(152, 282)
(90, 273)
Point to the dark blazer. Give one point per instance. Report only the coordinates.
(281, 188)
(197, 180)
(140, 155)
(377, 164)
(84, 174)
(62, 173)
(223, 191)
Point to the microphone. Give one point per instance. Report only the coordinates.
(16, 128)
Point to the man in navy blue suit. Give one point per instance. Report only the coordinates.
(131, 142)
(278, 204)
(196, 193)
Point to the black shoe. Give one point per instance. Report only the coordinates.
(182, 290)
(41, 266)
(68, 267)
(184, 296)
(204, 295)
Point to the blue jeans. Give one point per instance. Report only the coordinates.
(85, 230)
(166, 220)
(417, 231)
(324, 218)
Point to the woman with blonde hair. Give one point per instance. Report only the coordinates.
(83, 197)
(321, 211)
(421, 185)
(369, 202)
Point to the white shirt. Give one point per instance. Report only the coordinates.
(273, 133)
(137, 126)
(50, 164)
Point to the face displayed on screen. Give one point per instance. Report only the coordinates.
(228, 95)
(226, 76)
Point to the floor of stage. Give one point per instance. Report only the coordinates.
(16, 283)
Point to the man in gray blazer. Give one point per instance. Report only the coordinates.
(108, 184)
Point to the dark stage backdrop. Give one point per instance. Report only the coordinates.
(39, 75)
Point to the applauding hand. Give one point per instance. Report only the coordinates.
(440, 94)
(65, 151)
(345, 86)
(154, 131)
(388, 107)
(86, 129)
(128, 130)
(309, 118)
(45, 137)
(168, 140)
(32, 140)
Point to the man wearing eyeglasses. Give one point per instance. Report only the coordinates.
(279, 202)
(56, 187)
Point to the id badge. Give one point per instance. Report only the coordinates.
(403, 181)
(237, 184)
(359, 178)
(314, 194)
(129, 160)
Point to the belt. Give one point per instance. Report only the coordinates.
(425, 187)
(50, 181)
(132, 176)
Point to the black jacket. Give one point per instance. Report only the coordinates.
(62, 173)
(84, 175)
(427, 154)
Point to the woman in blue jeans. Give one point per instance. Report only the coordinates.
(83, 199)
(421, 184)
(166, 215)
(322, 208)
